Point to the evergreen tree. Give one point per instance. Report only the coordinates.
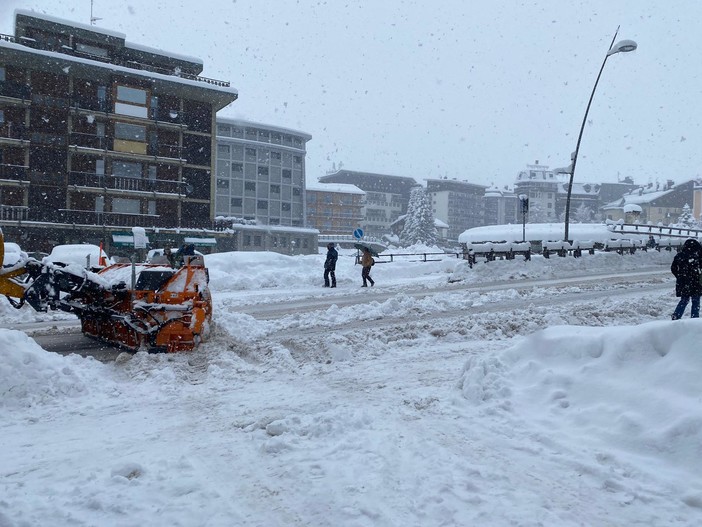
(686, 219)
(419, 221)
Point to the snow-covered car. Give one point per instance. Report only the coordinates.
(13, 254)
(85, 255)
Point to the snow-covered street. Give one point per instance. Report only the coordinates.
(513, 393)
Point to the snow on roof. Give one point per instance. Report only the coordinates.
(636, 198)
(63, 21)
(440, 224)
(245, 122)
(156, 51)
(122, 69)
(344, 188)
(597, 232)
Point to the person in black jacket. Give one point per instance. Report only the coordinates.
(686, 268)
(330, 265)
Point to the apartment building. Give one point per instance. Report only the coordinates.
(260, 188)
(335, 208)
(458, 204)
(387, 197)
(98, 134)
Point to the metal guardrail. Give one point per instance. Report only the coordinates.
(655, 230)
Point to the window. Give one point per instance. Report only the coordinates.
(262, 205)
(222, 184)
(275, 189)
(223, 151)
(250, 185)
(2, 73)
(297, 191)
(257, 241)
(91, 50)
(236, 202)
(297, 160)
(125, 206)
(262, 171)
(130, 132)
(131, 101)
(2, 116)
(285, 207)
(287, 174)
(131, 95)
(247, 240)
(224, 130)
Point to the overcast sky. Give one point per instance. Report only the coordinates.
(453, 88)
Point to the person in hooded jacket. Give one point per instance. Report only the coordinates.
(330, 265)
(686, 268)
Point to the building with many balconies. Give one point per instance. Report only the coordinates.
(387, 197)
(98, 134)
(335, 208)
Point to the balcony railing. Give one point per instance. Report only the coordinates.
(12, 131)
(67, 50)
(13, 213)
(98, 142)
(50, 101)
(48, 139)
(15, 90)
(13, 172)
(88, 179)
(89, 217)
(103, 143)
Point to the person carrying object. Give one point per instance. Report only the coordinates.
(367, 262)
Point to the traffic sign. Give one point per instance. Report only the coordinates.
(358, 234)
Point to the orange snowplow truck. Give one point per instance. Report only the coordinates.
(142, 307)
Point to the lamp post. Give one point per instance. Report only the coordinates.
(623, 46)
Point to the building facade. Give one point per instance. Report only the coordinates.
(459, 204)
(98, 134)
(662, 204)
(501, 206)
(387, 197)
(260, 173)
(335, 208)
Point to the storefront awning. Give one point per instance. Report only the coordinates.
(201, 242)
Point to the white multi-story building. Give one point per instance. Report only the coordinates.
(260, 173)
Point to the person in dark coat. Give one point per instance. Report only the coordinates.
(330, 265)
(686, 268)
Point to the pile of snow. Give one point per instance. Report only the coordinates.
(77, 254)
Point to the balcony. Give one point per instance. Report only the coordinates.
(48, 139)
(123, 183)
(12, 131)
(50, 101)
(13, 172)
(115, 219)
(15, 90)
(87, 102)
(118, 146)
(13, 213)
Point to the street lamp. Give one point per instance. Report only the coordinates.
(623, 46)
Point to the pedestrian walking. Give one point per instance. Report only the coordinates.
(367, 262)
(330, 266)
(686, 268)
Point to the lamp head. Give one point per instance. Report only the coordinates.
(623, 46)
